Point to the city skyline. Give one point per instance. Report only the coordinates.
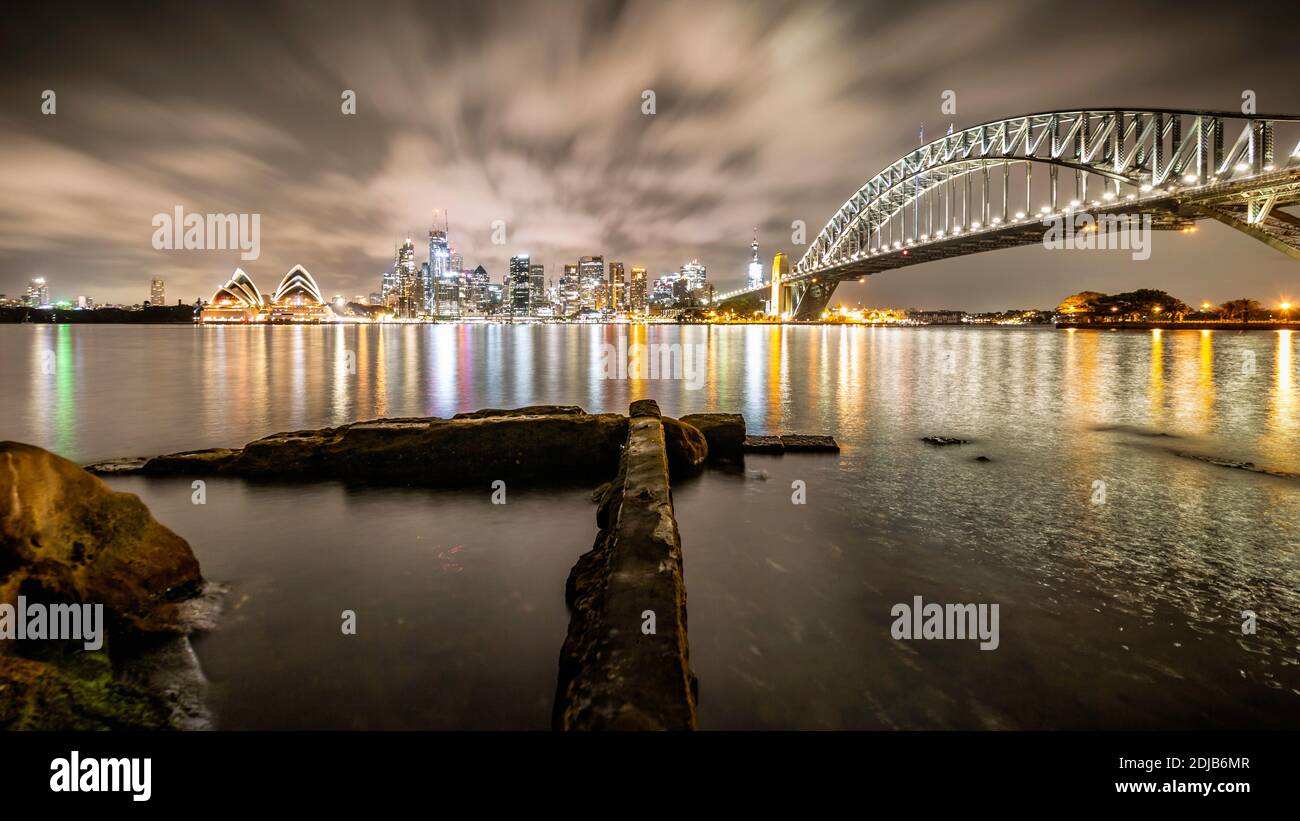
(488, 129)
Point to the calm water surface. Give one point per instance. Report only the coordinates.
(1122, 614)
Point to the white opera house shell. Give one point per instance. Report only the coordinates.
(296, 299)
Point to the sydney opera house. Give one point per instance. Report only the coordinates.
(296, 299)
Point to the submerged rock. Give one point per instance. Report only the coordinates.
(724, 432)
(1250, 467)
(939, 441)
(810, 443)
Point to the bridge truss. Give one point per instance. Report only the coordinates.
(993, 185)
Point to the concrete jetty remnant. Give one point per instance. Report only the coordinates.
(625, 664)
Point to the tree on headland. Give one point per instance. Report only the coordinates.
(1144, 303)
(1084, 302)
(1241, 309)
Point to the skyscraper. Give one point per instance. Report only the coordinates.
(591, 281)
(406, 295)
(475, 293)
(617, 287)
(157, 295)
(426, 288)
(570, 291)
(536, 288)
(388, 285)
(38, 293)
(636, 298)
(448, 295)
(695, 275)
(520, 287)
(755, 275)
(439, 260)
(494, 298)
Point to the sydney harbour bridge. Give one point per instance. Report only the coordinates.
(1001, 184)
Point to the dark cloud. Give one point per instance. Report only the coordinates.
(530, 112)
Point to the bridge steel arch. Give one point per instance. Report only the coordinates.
(1177, 166)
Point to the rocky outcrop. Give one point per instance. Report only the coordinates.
(530, 410)
(36, 695)
(67, 538)
(539, 444)
(644, 407)
(764, 444)
(66, 535)
(534, 444)
(625, 664)
(211, 461)
(687, 448)
(724, 432)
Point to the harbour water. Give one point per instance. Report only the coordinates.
(1121, 559)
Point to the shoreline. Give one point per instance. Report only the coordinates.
(1179, 326)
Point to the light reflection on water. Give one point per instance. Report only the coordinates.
(1125, 614)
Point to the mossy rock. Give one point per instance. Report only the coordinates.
(35, 695)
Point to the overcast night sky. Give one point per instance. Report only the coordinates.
(531, 113)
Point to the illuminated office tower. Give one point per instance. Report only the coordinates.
(439, 262)
(38, 293)
(475, 292)
(617, 287)
(591, 279)
(407, 295)
(520, 287)
(157, 294)
(537, 289)
(695, 275)
(570, 292)
(636, 294)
